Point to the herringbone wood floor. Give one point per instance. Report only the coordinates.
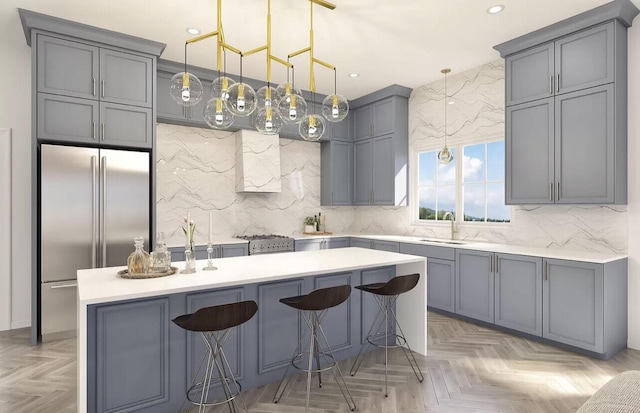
(468, 369)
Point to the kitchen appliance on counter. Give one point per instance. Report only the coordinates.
(266, 244)
(93, 202)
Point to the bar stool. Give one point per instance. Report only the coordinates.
(314, 307)
(386, 295)
(214, 325)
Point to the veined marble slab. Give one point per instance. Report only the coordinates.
(257, 162)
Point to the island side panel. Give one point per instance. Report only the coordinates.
(411, 307)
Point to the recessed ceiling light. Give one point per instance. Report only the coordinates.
(495, 9)
(192, 30)
(354, 75)
(451, 103)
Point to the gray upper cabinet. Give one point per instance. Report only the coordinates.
(529, 75)
(475, 285)
(67, 68)
(336, 173)
(126, 78)
(529, 146)
(363, 172)
(362, 123)
(341, 130)
(566, 116)
(125, 125)
(585, 146)
(62, 118)
(383, 188)
(518, 293)
(376, 119)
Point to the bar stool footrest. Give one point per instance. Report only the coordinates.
(197, 388)
(299, 357)
(397, 337)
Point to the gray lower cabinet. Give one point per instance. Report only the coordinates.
(338, 324)
(219, 251)
(67, 119)
(518, 293)
(375, 244)
(336, 173)
(233, 250)
(360, 243)
(321, 244)
(441, 284)
(475, 285)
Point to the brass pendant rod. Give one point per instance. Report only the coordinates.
(202, 37)
(324, 3)
(325, 64)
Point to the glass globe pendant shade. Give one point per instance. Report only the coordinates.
(268, 121)
(286, 89)
(185, 89)
(242, 99)
(293, 108)
(445, 155)
(217, 115)
(312, 127)
(335, 108)
(220, 87)
(267, 96)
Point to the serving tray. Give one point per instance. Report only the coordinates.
(125, 274)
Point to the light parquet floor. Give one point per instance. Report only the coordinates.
(468, 369)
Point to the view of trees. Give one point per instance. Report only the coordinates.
(428, 213)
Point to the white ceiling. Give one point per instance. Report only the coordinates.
(406, 42)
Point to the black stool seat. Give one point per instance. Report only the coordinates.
(320, 299)
(395, 286)
(219, 317)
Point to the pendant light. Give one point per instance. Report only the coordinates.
(335, 107)
(185, 88)
(292, 106)
(445, 155)
(242, 97)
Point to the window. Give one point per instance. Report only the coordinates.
(471, 186)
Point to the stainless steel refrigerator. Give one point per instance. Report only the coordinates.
(93, 202)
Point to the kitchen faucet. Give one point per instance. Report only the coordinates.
(444, 218)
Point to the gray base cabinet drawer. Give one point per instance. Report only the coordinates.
(309, 244)
(518, 293)
(444, 253)
(386, 246)
(234, 250)
(441, 284)
(337, 242)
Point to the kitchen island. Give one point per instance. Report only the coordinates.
(132, 358)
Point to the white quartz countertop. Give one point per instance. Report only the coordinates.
(216, 241)
(103, 285)
(558, 253)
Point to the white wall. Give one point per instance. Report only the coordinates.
(5, 229)
(15, 113)
(634, 183)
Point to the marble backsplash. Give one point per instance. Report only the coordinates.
(196, 172)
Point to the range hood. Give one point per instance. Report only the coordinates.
(257, 162)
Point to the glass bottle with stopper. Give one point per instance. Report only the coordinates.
(161, 257)
(138, 261)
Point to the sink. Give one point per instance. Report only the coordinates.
(443, 241)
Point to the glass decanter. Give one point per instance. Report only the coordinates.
(138, 261)
(161, 257)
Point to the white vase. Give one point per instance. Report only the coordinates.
(309, 228)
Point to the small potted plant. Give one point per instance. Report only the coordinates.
(309, 224)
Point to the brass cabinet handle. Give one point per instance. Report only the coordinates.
(497, 265)
(545, 270)
(102, 88)
(373, 197)
(558, 192)
(551, 191)
(93, 133)
(558, 82)
(103, 132)
(551, 85)
(93, 86)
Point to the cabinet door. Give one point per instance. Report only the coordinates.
(475, 285)
(383, 117)
(341, 182)
(67, 68)
(360, 243)
(62, 118)
(441, 284)
(519, 293)
(125, 125)
(336, 243)
(340, 130)
(309, 245)
(234, 250)
(166, 107)
(585, 59)
(573, 304)
(363, 172)
(530, 75)
(585, 155)
(529, 147)
(383, 187)
(126, 78)
(362, 123)
(386, 246)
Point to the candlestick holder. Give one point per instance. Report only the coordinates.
(189, 262)
(210, 266)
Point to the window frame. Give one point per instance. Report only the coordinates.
(459, 213)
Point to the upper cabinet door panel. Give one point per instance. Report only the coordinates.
(340, 130)
(529, 153)
(363, 123)
(383, 174)
(585, 59)
(340, 174)
(585, 136)
(383, 117)
(67, 68)
(62, 118)
(363, 175)
(530, 75)
(125, 125)
(126, 78)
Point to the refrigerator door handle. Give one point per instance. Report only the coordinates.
(103, 186)
(94, 211)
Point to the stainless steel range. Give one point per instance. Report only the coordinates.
(266, 244)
